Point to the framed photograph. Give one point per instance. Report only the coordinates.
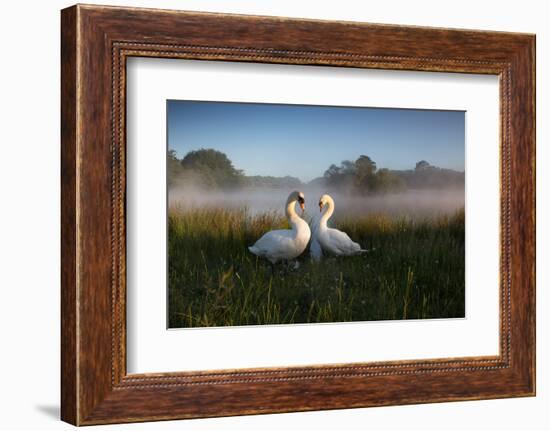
(266, 215)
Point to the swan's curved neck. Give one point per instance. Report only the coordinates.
(327, 213)
(291, 211)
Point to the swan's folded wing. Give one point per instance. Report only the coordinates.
(341, 243)
(276, 243)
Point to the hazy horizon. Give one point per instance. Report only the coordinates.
(303, 141)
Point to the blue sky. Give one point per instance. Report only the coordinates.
(303, 141)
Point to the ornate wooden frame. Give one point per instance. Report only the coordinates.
(95, 43)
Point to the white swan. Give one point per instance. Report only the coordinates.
(325, 239)
(285, 244)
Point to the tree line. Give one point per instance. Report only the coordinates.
(364, 177)
(212, 169)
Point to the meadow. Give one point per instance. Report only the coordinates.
(414, 269)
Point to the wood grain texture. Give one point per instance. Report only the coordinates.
(96, 41)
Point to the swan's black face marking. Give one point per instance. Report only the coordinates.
(302, 202)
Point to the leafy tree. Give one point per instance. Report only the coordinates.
(365, 166)
(365, 171)
(332, 171)
(173, 167)
(348, 167)
(422, 165)
(212, 168)
(386, 181)
(340, 176)
(427, 176)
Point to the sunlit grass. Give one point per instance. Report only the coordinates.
(414, 270)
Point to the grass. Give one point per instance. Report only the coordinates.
(415, 270)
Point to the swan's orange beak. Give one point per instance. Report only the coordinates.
(320, 206)
(302, 206)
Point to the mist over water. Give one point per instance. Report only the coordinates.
(412, 203)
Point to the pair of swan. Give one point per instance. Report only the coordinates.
(288, 244)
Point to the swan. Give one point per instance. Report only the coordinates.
(327, 239)
(285, 244)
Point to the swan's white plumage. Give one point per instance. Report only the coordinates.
(325, 239)
(285, 244)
